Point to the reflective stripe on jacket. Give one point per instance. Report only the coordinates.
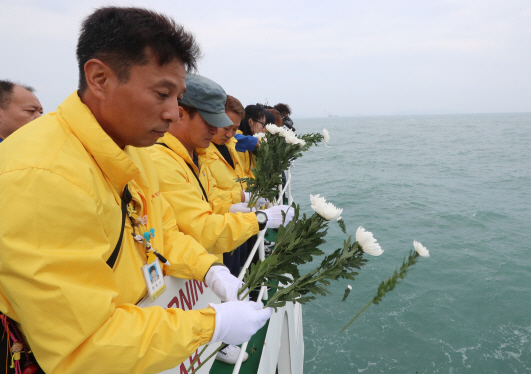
(218, 233)
(61, 178)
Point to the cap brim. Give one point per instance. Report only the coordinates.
(215, 119)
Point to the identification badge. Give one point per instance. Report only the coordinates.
(154, 279)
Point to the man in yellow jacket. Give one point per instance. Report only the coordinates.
(70, 274)
(187, 185)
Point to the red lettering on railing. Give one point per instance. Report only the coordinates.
(174, 301)
(194, 290)
(190, 294)
(199, 285)
(182, 369)
(184, 300)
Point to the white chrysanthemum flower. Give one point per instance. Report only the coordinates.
(274, 129)
(367, 242)
(259, 135)
(326, 136)
(326, 210)
(290, 139)
(285, 133)
(294, 140)
(420, 249)
(349, 287)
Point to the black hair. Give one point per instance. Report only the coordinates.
(188, 109)
(6, 92)
(151, 268)
(254, 112)
(123, 37)
(270, 117)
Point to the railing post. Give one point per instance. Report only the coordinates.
(288, 179)
(280, 199)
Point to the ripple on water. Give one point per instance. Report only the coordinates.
(459, 185)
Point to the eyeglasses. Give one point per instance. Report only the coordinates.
(260, 122)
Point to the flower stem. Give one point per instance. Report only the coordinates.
(247, 293)
(197, 358)
(356, 316)
(389, 284)
(208, 358)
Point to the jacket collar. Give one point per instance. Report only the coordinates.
(113, 161)
(212, 152)
(178, 148)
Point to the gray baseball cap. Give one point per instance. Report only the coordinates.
(208, 98)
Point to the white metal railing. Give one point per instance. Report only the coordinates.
(282, 190)
(259, 246)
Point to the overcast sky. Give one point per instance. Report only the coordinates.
(340, 57)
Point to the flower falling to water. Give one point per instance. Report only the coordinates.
(326, 136)
(326, 210)
(367, 242)
(347, 292)
(420, 249)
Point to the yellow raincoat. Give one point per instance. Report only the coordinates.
(218, 233)
(223, 174)
(61, 178)
(245, 159)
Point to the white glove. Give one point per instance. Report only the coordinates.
(238, 321)
(261, 200)
(274, 215)
(239, 208)
(223, 283)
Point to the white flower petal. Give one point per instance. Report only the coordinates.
(367, 242)
(326, 210)
(420, 249)
(291, 138)
(349, 287)
(273, 129)
(259, 135)
(284, 133)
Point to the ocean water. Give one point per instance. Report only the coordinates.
(461, 185)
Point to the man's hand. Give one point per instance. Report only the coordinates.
(223, 283)
(239, 208)
(274, 215)
(247, 196)
(238, 321)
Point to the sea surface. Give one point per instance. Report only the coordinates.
(459, 184)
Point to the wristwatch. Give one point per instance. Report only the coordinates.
(261, 217)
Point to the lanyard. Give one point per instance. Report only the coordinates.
(193, 171)
(200, 185)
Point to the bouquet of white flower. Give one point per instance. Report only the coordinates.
(277, 148)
